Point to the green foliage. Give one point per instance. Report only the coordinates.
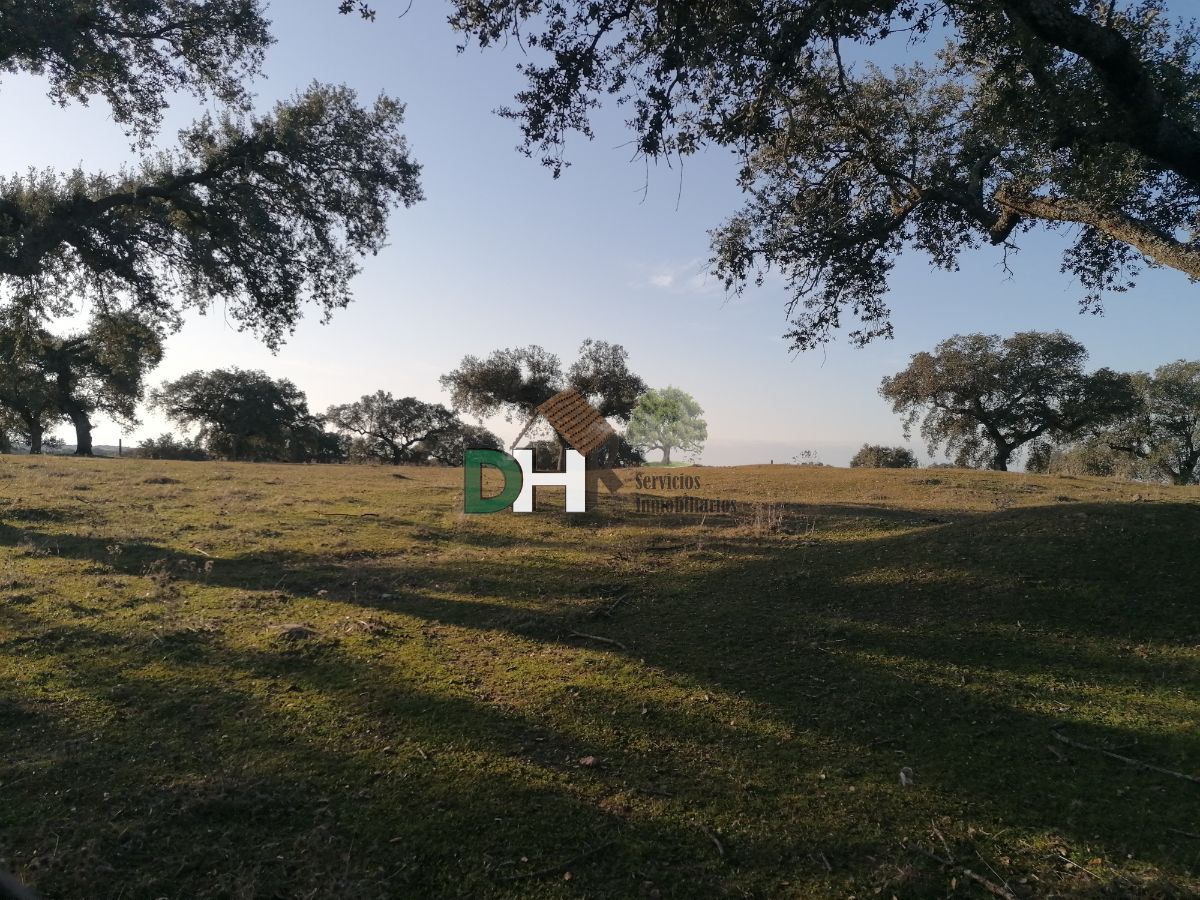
(983, 398)
(101, 369)
(27, 389)
(168, 446)
(1019, 116)
(241, 415)
(393, 429)
(514, 382)
(136, 54)
(619, 454)
(601, 373)
(510, 381)
(1091, 456)
(261, 214)
(1164, 433)
(667, 420)
(447, 447)
(876, 456)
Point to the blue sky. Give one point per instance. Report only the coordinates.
(500, 254)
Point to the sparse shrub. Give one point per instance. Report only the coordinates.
(1089, 457)
(167, 446)
(765, 518)
(876, 456)
(808, 458)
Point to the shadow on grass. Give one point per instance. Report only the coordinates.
(954, 648)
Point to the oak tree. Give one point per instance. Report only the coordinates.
(876, 456)
(983, 398)
(1164, 432)
(392, 427)
(1018, 117)
(666, 420)
(514, 382)
(259, 213)
(239, 414)
(102, 370)
(27, 389)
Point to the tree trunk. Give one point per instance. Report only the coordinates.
(394, 450)
(83, 432)
(35, 437)
(5, 442)
(562, 453)
(666, 454)
(1000, 459)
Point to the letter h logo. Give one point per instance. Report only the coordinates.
(579, 424)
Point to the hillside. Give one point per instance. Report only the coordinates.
(258, 681)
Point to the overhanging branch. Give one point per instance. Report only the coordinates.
(1154, 244)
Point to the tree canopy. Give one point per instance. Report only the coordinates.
(392, 427)
(27, 388)
(982, 398)
(666, 420)
(242, 415)
(45, 377)
(1075, 116)
(449, 447)
(514, 382)
(259, 213)
(136, 54)
(1164, 432)
(876, 456)
(103, 369)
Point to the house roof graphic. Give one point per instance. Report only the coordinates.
(579, 423)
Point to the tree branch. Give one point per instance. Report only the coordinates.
(1152, 243)
(1147, 126)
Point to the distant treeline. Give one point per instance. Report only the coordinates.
(247, 415)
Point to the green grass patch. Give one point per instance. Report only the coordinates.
(241, 681)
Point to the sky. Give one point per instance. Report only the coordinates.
(501, 254)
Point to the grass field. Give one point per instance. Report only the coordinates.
(254, 681)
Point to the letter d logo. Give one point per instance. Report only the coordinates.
(473, 463)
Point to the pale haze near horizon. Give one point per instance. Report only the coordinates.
(500, 255)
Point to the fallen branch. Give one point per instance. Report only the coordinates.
(1128, 760)
(1190, 834)
(554, 870)
(716, 843)
(612, 607)
(602, 640)
(1074, 865)
(941, 837)
(990, 886)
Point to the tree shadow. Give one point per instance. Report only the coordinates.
(955, 648)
